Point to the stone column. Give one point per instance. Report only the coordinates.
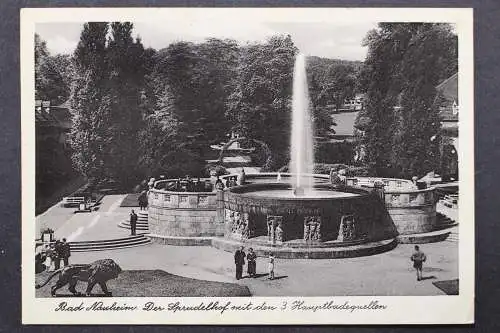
(220, 206)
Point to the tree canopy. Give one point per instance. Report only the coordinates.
(140, 112)
(405, 63)
(262, 94)
(53, 74)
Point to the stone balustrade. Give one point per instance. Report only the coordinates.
(183, 214)
(390, 184)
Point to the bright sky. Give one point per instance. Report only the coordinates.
(323, 39)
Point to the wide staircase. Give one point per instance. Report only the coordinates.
(142, 222)
(118, 243)
(109, 244)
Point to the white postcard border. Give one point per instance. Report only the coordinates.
(400, 309)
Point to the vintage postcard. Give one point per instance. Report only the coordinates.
(247, 166)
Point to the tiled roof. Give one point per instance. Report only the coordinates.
(449, 90)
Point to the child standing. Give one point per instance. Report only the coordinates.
(270, 266)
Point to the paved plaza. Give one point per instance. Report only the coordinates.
(386, 274)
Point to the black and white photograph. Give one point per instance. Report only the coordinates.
(191, 165)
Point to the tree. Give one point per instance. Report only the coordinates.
(429, 58)
(260, 104)
(404, 64)
(125, 83)
(191, 84)
(90, 102)
(53, 74)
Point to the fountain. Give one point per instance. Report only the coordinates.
(297, 214)
(301, 148)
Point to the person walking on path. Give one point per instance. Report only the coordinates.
(65, 252)
(239, 261)
(251, 262)
(133, 222)
(418, 258)
(270, 266)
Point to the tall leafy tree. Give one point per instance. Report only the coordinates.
(190, 86)
(404, 64)
(125, 83)
(53, 74)
(429, 58)
(90, 102)
(260, 104)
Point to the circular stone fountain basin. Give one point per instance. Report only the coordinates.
(279, 199)
(287, 193)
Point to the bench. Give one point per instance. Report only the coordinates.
(450, 200)
(72, 201)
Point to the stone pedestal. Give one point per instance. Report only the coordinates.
(220, 206)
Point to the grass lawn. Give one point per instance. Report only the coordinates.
(151, 283)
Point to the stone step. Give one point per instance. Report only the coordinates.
(452, 238)
(425, 237)
(352, 251)
(109, 244)
(139, 226)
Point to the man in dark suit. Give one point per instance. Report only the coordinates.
(65, 252)
(57, 254)
(239, 261)
(133, 222)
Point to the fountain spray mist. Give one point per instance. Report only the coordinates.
(302, 150)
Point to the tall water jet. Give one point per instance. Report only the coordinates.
(302, 150)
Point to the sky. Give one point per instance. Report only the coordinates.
(323, 39)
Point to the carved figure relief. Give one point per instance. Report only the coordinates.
(238, 223)
(312, 228)
(275, 228)
(279, 232)
(347, 231)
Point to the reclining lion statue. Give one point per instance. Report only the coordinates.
(98, 272)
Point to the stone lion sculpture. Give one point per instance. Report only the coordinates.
(98, 272)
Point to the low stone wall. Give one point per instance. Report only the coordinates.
(390, 184)
(412, 211)
(208, 214)
(183, 214)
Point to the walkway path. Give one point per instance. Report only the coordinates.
(97, 225)
(389, 273)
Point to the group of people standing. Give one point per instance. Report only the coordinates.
(251, 257)
(50, 255)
